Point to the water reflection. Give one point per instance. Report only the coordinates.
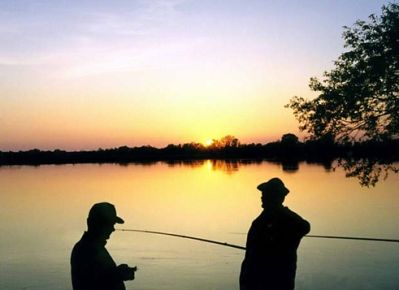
(226, 166)
(368, 171)
(188, 163)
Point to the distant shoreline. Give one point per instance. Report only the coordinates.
(316, 151)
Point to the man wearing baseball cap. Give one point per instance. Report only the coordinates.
(92, 267)
(272, 241)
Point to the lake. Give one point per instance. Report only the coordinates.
(44, 210)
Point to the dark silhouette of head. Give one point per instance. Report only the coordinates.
(101, 220)
(273, 193)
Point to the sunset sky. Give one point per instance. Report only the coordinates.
(88, 74)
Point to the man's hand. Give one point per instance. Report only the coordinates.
(126, 272)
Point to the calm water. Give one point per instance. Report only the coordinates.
(44, 209)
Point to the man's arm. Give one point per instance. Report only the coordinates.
(300, 226)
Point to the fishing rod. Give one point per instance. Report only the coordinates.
(184, 237)
(243, 248)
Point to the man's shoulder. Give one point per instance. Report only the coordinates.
(282, 215)
(290, 213)
(296, 219)
(259, 219)
(84, 248)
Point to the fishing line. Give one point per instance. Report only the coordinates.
(354, 238)
(243, 248)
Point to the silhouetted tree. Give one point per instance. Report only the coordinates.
(226, 141)
(229, 141)
(359, 98)
(289, 139)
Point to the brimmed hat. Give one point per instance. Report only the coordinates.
(273, 186)
(104, 212)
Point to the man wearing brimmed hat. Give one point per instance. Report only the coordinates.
(274, 236)
(92, 267)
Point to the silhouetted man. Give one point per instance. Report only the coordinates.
(92, 267)
(274, 236)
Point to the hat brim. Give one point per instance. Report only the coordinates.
(266, 188)
(118, 220)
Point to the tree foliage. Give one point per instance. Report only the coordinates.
(226, 141)
(359, 98)
(290, 139)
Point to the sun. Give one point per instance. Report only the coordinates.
(208, 142)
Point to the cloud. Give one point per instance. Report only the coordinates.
(142, 19)
(150, 56)
(39, 34)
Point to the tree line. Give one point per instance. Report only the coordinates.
(288, 148)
